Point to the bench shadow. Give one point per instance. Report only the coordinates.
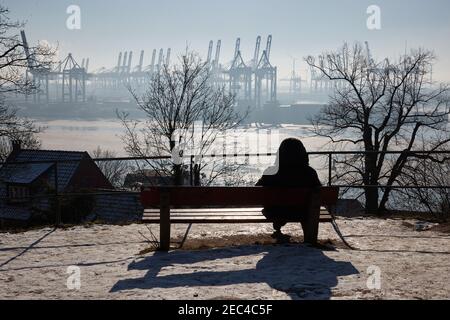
(29, 247)
(300, 271)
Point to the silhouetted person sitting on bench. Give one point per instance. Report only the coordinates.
(291, 169)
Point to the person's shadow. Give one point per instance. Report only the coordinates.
(300, 271)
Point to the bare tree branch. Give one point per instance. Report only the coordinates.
(382, 106)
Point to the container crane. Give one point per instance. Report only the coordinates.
(119, 62)
(160, 59)
(130, 59)
(141, 61)
(168, 57)
(217, 56)
(124, 62)
(152, 65)
(268, 46)
(237, 47)
(210, 48)
(256, 53)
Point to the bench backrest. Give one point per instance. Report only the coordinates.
(236, 196)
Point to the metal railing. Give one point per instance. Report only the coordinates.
(328, 154)
(57, 195)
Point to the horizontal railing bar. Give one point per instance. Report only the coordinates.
(228, 221)
(232, 155)
(390, 187)
(74, 194)
(78, 160)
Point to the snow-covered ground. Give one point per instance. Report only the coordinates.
(233, 262)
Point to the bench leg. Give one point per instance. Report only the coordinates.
(164, 228)
(310, 224)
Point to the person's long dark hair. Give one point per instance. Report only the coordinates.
(292, 156)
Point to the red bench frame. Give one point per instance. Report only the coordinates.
(166, 198)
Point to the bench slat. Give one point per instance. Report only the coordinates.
(208, 221)
(209, 215)
(152, 218)
(218, 215)
(212, 210)
(204, 220)
(217, 211)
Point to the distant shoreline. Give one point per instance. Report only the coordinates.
(297, 114)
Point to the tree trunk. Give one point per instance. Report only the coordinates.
(196, 170)
(371, 200)
(370, 176)
(384, 200)
(177, 175)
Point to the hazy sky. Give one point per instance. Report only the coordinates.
(298, 27)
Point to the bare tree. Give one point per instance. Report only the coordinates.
(15, 58)
(114, 170)
(28, 140)
(377, 107)
(185, 112)
(422, 173)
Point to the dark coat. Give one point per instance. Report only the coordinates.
(291, 170)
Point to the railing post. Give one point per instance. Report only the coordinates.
(57, 202)
(191, 171)
(330, 164)
(164, 228)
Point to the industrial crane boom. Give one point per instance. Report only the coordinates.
(124, 62)
(217, 57)
(152, 65)
(210, 48)
(130, 59)
(237, 48)
(268, 46)
(168, 57)
(160, 59)
(256, 54)
(119, 62)
(141, 61)
(26, 48)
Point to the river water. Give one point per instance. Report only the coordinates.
(88, 135)
(81, 135)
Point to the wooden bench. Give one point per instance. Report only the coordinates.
(168, 205)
